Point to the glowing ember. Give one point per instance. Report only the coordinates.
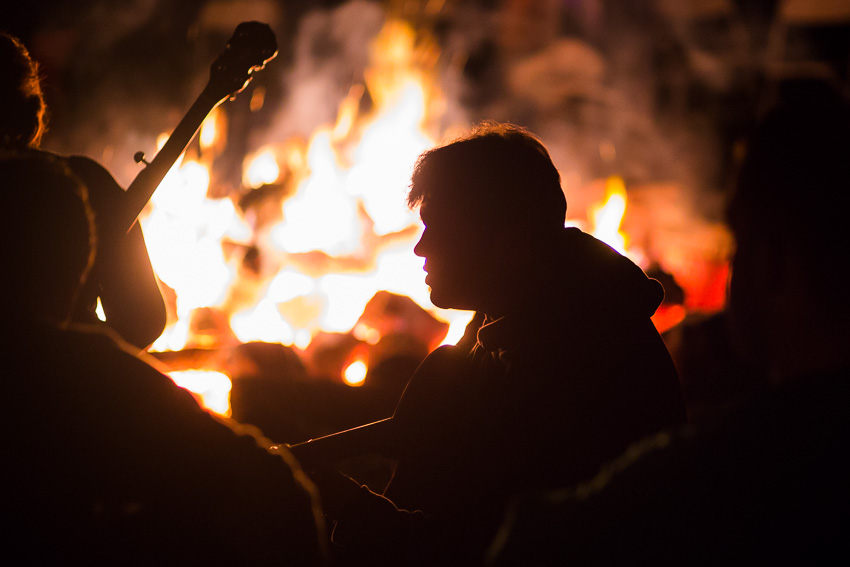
(355, 373)
(98, 310)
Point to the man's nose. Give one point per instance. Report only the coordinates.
(419, 249)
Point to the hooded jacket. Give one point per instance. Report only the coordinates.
(535, 400)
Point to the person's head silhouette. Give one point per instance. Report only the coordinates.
(47, 229)
(23, 113)
(486, 199)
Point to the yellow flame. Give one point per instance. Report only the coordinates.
(608, 217)
(98, 310)
(457, 326)
(211, 388)
(183, 233)
(346, 232)
(262, 168)
(320, 216)
(348, 111)
(264, 323)
(385, 158)
(209, 130)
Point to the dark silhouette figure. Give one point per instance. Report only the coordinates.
(559, 372)
(122, 275)
(768, 484)
(106, 460)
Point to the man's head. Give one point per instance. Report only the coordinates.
(47, 230)
(23, 113)
(789, 216)
(483, 198)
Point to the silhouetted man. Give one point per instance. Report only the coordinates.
(564, 372)
(122, 276)
(769, 484)
(106, 460)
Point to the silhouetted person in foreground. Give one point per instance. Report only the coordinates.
(770, 484)
(564, 370)
(122, 276)
(106, 460)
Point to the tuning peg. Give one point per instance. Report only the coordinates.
(139, 157)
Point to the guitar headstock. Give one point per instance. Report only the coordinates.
(252, 45)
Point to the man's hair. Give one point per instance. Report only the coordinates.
(498, 171)
(23, 113)
(47, 230)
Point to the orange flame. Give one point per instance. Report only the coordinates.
(346, 232)
(343, 234)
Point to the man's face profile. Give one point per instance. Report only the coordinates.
(455, 256)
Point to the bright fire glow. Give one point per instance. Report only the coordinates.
(320, 216)
(608, 216)
(210, 387)
(98, 310)
(209, 130)
(342, 234)
(262, 168)
(355, 373)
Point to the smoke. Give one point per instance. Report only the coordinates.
(650, 91)
(330, 54)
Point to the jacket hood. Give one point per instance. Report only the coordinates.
(598, 280)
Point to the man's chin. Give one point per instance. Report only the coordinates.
(439, 300)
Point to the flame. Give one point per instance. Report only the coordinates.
(608, 216)
(343, 232)
(98, 310)
(320, 216)
(211, 388)
(184, 231)
(209, 130)
(262, 168)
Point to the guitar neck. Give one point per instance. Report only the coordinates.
(251, 47)
(143, 186)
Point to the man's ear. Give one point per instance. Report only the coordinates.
(512, 235)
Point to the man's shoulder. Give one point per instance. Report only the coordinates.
(434, 383)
